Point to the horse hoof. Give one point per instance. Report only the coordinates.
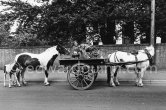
(117, 83)
(24, 84)
(18, 85)
(47, 84)
(136, 84)
(140, 85)
(112, 85)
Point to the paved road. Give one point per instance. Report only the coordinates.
(60, 96)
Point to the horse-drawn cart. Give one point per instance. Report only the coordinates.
(82, 69)
(81, 73)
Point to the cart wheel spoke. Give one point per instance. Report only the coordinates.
(77, 82)
(89, 77)
(74, 73)
(73, 79)
(85, 82)
(81, 84)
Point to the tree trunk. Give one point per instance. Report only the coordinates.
(147, 39)
(128, 33)
(107, 34)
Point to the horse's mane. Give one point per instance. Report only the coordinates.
(49, 49)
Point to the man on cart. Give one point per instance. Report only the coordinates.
(84, 51)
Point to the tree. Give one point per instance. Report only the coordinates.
(3, 33)
(160, 27)
(66, 20)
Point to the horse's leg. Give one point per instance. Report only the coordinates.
(115, 77)
(95, 71)
(141, 74)
(108, 74)
(46, 83)
(17, 82)
(18, 77)
(10, 80)
(137, 78)
(112, 84)
(4, 77)
(14, 80)
(22, 76)
(137, 70)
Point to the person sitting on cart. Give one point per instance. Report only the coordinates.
(83, 51)
(75, 50)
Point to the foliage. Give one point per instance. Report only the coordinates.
(63, 20)
(4, 33)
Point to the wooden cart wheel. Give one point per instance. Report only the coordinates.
(80, 76)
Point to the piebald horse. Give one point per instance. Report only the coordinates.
(44, 60)
(142, 57)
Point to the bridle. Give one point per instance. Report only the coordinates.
(63, 47)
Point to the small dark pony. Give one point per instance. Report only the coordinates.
(44, 60)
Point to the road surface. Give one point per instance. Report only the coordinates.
(60, 96)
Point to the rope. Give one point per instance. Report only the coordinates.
(125, 63)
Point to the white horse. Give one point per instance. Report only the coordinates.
(44, 60)
(7, 70)
(142, 57)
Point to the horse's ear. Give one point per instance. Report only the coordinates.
(56, 46)
(151, 45)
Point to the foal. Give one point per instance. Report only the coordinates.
(7, 70)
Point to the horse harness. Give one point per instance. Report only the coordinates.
(135, 53)
(149, 56)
